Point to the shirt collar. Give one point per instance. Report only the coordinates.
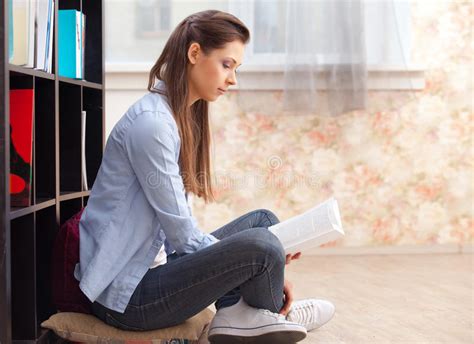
(160, 85)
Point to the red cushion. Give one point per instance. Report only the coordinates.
(65, 288)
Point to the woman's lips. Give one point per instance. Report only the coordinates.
(222, 91)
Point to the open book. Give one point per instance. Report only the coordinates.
(313, 228)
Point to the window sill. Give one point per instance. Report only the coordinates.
(134, 76)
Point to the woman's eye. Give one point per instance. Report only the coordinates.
(226, 66)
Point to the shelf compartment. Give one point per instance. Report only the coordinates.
(45, 162)
(23, 278)
(93, 66)
(69, 137)
(69, 208)
(93, 51)
(92, 104)
(46, 230)
(23, 169)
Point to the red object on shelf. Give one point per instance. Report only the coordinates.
(21, 146)
(67, 296)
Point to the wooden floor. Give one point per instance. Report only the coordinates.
(390, 298)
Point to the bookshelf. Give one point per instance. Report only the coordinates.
(27, 233)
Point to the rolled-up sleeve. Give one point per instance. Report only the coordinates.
(151, 145)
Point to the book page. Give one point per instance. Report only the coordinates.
(315, 227)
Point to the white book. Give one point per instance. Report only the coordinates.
(313, 228)
(78, 45)
(83, 150)
(49, 52)
(43, 13)
(31, 33)
(83, 45)
(20, 32)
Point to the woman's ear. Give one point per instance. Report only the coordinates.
(193, 52)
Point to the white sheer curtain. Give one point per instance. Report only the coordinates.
(325, 48)
(326, 67)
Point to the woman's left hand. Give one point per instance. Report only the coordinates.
(288, 292)
(290, 257)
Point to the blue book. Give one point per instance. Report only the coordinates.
(70, 43)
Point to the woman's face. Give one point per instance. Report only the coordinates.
(209, 76)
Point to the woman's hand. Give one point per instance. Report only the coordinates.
(290, 257)
(288, 286)
(288, 292)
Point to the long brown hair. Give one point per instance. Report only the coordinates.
(212, 29)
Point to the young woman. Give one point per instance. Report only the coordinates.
(143, 260)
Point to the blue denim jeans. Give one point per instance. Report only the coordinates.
(248, 261)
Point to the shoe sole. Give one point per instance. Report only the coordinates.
(280, 337)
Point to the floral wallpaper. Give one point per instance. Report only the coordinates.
(402, 170)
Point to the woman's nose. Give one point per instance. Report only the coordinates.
(232, 79)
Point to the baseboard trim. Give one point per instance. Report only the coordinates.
(385, 250)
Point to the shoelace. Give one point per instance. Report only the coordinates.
(274, 315)
(303, 313)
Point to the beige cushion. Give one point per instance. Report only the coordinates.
(86, 328)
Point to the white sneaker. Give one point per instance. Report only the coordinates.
(311, 313)
(241, 323)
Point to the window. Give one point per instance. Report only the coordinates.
(155, 18)
(136, 32)
(269, 24)
(387, 31)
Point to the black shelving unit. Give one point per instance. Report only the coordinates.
(27, 233)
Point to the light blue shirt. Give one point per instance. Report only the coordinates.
(137, 204)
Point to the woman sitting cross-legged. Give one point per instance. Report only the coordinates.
(144, 263)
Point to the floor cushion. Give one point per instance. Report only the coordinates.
(86, 328)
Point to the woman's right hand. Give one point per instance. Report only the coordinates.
(288, 297)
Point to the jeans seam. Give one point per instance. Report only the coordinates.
(271, 288)
(206, 280)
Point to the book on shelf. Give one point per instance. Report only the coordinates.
(83, 150)
(83, 45)
(10, 30)
(310, 229)
(30, 27)
(21, 146)
(44, 35)
(49, 55)
(71, 43)
(31, 33)
(20, 18)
